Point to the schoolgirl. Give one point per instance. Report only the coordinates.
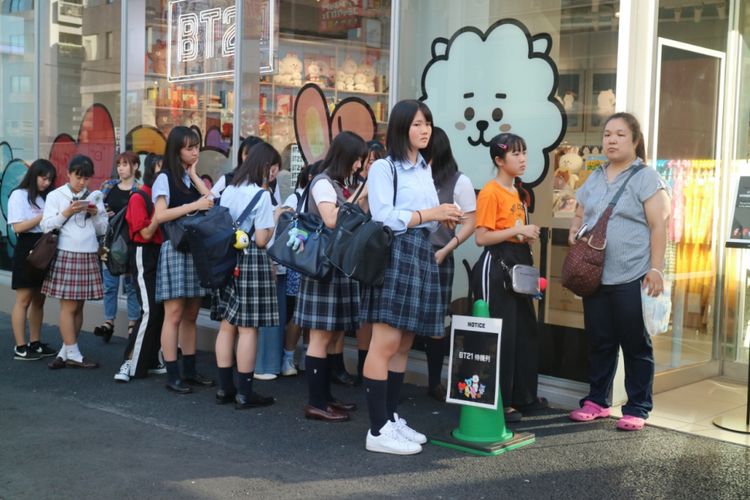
(226, 179)
(179, 191)
(409, 302)
(452, 187)
(116, 194)
(74, 276)
(375, 151)
(25, 207)
(503, 229)
(249, 299)
(142, 352)
(329, 308)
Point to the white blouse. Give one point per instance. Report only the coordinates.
(80, 233)
(20, 210)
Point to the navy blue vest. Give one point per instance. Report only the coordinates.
(180, 195)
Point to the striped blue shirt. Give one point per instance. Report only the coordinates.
(627, 256)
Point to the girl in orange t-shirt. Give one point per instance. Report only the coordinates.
(503, 229)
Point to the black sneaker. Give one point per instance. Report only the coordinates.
(24, 353)
(42, 349)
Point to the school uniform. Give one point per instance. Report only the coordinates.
(410, 298)
(177, 276)
(19, 210)
(498, 208)
(74, 273)
(333, 304)
(249, 299)
(144, 340)
(457, 189)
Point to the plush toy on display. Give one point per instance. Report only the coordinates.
(313, 73)
(364, 78)
(290, 70)
(345, 75)
(158, 57)
(605, 103)
(570, 165)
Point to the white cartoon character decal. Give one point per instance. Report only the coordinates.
(478, 85)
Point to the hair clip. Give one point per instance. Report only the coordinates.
(503, 146)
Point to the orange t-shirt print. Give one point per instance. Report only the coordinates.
(498, 208)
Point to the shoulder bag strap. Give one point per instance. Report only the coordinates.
(395, 179)
(249, 208)
(616, 198)
(359, 191)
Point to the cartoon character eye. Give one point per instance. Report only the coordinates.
(497, 114)
(469, 113)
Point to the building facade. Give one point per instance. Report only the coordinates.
(99, 76)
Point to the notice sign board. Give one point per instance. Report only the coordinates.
(739, 235)
(474, 364)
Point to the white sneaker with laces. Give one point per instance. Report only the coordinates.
(124, 374)
(391, 441)
(287, 367)
(408, 432)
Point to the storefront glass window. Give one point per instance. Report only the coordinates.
(17, 105)
(546, 72)
(686, 141)
(80, 83)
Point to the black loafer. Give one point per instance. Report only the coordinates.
(538, 404)
(512, 415)
(254, 400)
(199, 379)
(223, 397)
(342, 406)
(84, 363)
(342, 378)
(56, 363)
(437, 392)
(179, 387)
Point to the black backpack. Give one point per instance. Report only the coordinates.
(117, 240)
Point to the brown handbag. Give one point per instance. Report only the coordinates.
(44, 250)
(583, 266)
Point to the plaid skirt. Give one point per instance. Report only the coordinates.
(248, 300)
(176, 277)
(332, 306)
(74, 276)
(410, 298)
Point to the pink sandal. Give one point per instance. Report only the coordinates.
(630, 423)
(589, 411)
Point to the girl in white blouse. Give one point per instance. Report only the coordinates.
(25, 208)
(74, 276)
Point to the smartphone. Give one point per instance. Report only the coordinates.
(581, 232)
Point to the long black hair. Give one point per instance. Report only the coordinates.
(444, 165)
(179, 137)
(256, 167)
(399, 124)
(40, 168)
(346, 148)
(247, 143)
(149, 168)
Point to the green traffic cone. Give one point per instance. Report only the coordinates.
(482, 431)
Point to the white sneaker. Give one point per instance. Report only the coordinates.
(287, 367)
(265, 376)
(408, 432)
(124, 374)
(391, 441)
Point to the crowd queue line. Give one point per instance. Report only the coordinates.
(265, 309)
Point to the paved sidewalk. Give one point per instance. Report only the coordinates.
(77, 434)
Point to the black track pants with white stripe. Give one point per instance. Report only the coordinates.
(145, 339)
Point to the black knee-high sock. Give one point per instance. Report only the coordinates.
(245, 383)
(361, 357)
(395, 380)
(188, 365)
(317, 378)
(173, 371)
(330, 367)
(336, 362)
(375, 391)
(226, 380)
(435, 350)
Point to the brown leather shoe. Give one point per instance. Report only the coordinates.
(85, 363)
(342, 406)
(56, 363)
(327, 415)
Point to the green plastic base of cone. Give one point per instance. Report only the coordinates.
(516, 440)
(482, 431)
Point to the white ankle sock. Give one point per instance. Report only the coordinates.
(63, 354)
(73, 353)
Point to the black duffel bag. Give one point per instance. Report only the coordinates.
(312, 260)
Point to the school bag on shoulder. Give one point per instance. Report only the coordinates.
(359, 246)
(117, 240)
(301, 241)
(212, 239)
